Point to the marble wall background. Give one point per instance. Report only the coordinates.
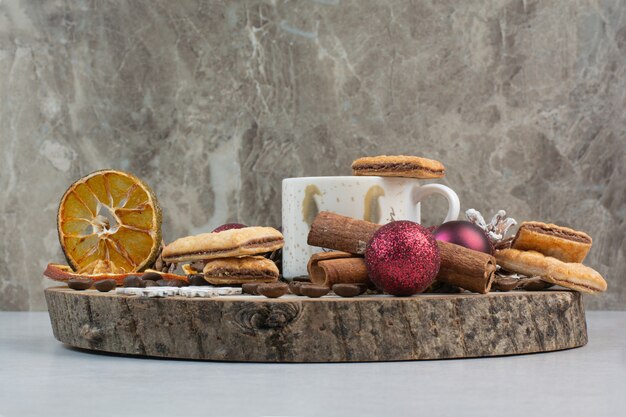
(214, 102)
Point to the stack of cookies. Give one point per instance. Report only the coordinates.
(230, 257)
(555, 254)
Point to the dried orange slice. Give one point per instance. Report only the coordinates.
(109, 222)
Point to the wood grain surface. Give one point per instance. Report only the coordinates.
(328, 329)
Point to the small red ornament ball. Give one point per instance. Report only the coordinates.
(464, 234)
(229, 226)
(402, 258)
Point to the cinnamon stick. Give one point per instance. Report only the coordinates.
(465, 268)
(330, 268)
(333, 231)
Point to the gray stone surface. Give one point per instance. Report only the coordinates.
(212, 103)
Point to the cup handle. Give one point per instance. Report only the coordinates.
(454, 205)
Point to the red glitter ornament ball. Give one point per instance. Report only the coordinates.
(465, 234)
(402, 258)
(229, 226)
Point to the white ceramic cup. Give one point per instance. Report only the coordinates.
(375, 199)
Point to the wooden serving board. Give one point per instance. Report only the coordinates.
(328, 329)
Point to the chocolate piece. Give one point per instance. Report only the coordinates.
(133, 281)
(349, 290)
(105, 285)
(197, 280)
(313, 291)
(294, 287)
(79, 284)
(151, 276)
(250, 288)
(273, 290)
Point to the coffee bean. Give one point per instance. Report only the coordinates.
(250, 288)
(133, 281)
(79, 284)
(349, 290)
(151, 276)
(294, 287)
(197, 280)
(171, 283)
(273, 290)
(313, 291)
(105, 285)
(301, 279)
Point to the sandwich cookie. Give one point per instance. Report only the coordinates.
(229, 271)
(229, 243)
(398, 166)
(565, 244)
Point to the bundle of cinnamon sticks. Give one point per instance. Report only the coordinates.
(461, 267)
